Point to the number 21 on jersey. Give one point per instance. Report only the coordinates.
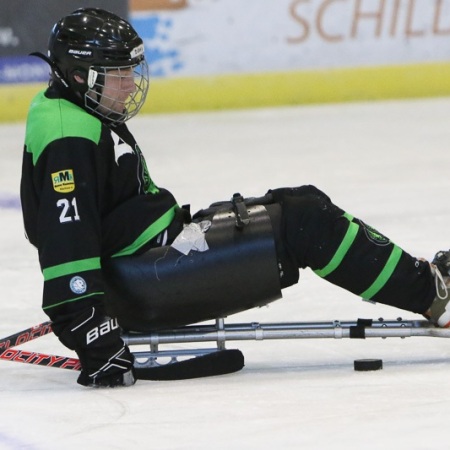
(69, 211)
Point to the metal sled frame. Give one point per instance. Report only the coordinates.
(221, 333)
(195, 362)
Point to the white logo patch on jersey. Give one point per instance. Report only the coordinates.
(120, 147)
(78, 285)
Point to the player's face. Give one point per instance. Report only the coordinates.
(119, 85)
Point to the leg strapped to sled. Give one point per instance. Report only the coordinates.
(155, 295)
(158, 293)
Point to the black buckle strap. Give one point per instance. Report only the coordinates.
(240, 209)
(359, 330)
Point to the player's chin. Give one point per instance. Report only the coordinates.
(119, 108)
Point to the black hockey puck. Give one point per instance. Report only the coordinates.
(365, 365)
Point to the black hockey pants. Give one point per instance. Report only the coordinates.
(345, 251)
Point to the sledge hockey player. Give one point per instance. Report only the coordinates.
(118, 252)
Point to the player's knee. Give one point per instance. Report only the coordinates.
(308, 216)
(280, 195)
(305, 204)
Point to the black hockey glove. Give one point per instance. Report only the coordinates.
(105, 359)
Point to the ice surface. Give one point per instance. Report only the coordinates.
(385, 162)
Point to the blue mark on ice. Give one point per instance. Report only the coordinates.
(13, 443)
(9, 201)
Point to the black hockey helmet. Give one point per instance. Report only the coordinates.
(91, 44)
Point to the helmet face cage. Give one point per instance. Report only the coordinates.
(116, 94)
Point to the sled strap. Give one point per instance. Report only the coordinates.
(240, 210)
(358, 331)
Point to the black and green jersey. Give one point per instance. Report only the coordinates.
(86, 194)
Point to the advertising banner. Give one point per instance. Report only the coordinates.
(25, 27)
(188, 38)
(212, 37)
(216, 54)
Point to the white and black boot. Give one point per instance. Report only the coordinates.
(439, 312)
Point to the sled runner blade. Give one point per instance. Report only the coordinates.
(216, 363)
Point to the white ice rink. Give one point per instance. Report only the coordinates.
(387, 163)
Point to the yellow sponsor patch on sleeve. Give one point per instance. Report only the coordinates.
(63, 181)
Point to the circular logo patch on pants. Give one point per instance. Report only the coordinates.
(78, 285)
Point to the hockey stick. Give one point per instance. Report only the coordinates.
(214, 363)
(40, 359)
(11, 354)
(26, 335)
(211, 364)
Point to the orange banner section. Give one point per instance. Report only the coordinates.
(147, 5)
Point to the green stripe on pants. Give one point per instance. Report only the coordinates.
(342, 250)
(385, 274)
